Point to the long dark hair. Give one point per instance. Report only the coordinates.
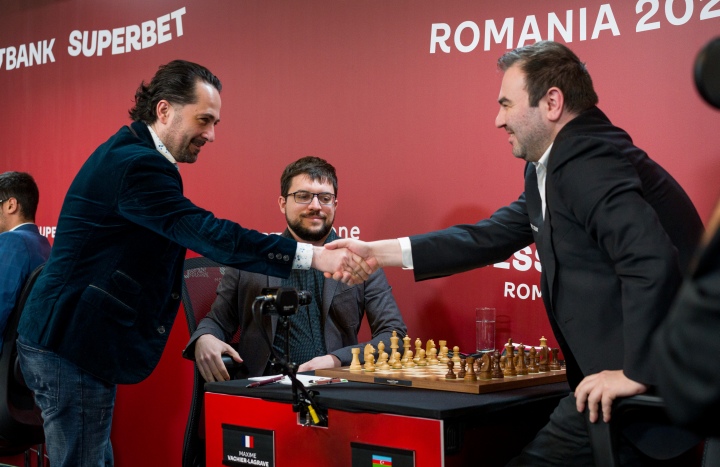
(173, 82)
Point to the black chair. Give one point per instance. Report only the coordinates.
(200, 281)
(20, 420)
(637, 416)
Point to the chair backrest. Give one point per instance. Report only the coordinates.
(20, 419)
(653, 434)
(201, 277)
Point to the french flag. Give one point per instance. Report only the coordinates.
(248, 442)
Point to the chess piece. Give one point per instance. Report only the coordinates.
(391, 361)
(418, 347)
(532, 361)
(394, 339)
(432, 358)
(409, 363)
(485, 366)
(406, 348)
(462, 372)
(355, 363)
(555, 363)
(521, 367)
(380, 349)
(456, 355)
(509, 359)
(429, 345)
(369, 350)
(543, 366)
(443, 358)
(370, 362)
(450, 374)
(470, 375)
(383, 362)
(398, 361)
(442, 353)
(497, 372)
(421, 361)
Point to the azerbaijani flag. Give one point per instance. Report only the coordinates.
(248, 442)
(381, 461)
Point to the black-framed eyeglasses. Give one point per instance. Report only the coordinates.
(306, 197)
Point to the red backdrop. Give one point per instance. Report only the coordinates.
(400, 96)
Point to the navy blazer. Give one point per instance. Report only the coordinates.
(22, 250)
(616, 235)
(110, 291)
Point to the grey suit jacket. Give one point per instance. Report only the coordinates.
(343, 307)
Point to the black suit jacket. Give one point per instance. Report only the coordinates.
(687, 346)
(617, 233)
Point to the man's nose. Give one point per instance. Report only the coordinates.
(500, 119)
(209, 135)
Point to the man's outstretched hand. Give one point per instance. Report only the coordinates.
(341, 264)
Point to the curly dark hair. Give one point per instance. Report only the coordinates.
(173, 82)
(547, 64)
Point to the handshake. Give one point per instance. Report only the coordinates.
(352, 261)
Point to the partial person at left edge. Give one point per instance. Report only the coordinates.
(22, 248)
(101, 311)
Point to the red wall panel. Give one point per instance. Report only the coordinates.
(411, 132)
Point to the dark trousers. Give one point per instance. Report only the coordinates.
(565, 442)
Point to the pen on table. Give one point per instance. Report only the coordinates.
(329, 381)
(265, 381)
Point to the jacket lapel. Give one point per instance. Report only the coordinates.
(542, 228)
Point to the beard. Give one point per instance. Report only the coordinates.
(311, 235)
(181, 151)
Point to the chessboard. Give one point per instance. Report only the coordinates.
(448, 371)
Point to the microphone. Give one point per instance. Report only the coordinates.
(304, 297)
(283, 300)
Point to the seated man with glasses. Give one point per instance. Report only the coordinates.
(321, 333)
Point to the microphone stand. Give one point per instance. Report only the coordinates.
(318, 415)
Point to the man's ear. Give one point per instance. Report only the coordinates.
(282, 202)
(12, 206)
(163, 110)
(555, 102)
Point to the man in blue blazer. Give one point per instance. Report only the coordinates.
(323, 333)
(22, 248)
(613, 230)
(101, 311)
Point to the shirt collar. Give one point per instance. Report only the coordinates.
(160, 146)
(20, 225)
(544, 158)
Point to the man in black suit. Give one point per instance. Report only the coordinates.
(613, 229)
